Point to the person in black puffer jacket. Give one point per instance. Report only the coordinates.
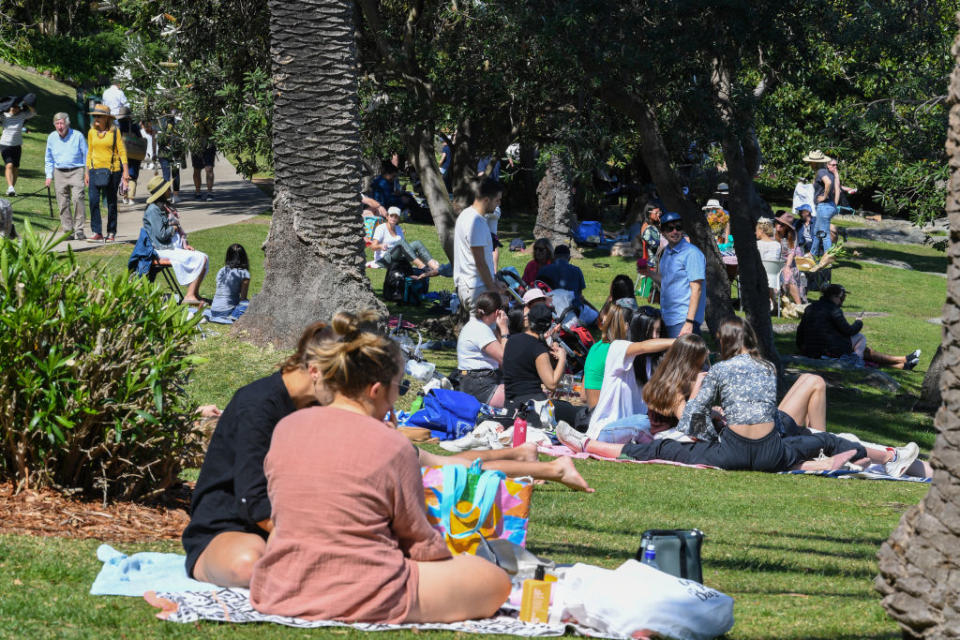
(825, 333)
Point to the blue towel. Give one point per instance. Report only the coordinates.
(124, 575)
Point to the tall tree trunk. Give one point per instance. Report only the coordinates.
(930, 397)
(555, 215)
(314, 253)
(464, 166)
(742, 157)
(746, 207)
(920, 563)
(424, 158)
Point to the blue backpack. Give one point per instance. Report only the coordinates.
(448, 414)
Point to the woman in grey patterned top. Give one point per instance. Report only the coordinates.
(746, 388)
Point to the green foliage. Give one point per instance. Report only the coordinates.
(92, 370)
(83, 58)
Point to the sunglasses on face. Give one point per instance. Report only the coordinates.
(673, 226)
(403, 386)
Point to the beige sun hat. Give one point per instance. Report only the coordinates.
(712, 203)
(101, 110)
(816, 156)
(157, 187)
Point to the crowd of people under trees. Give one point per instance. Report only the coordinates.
(276, 497)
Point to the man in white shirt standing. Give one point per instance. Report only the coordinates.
(114, 98)
(473, 246)
(11, 140)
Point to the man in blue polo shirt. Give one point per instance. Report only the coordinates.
(66, 157)
(681, 274)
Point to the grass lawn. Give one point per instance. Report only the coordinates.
(797, 554)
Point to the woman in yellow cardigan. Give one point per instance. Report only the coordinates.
(106, 168)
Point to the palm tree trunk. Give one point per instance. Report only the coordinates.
(920, 563)
(314, 252)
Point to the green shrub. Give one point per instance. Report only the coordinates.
(92, 368)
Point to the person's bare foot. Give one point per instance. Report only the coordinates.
(569, 476)
(208, 411)
(194, 302)
(828, 464)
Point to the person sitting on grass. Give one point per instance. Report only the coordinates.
(233, 282)
(745, 386)
(480, 350)
(230, 509)
(389, 245)
(563, 275)
(162, 224)
(621, 294)
(529, 365)
(620, 414)
(542, 256)
(621, 289)
(351, 540)
(825, 333)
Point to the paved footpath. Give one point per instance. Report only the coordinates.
(235, 200)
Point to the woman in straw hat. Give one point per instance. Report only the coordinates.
(162, 225)
(106, 169)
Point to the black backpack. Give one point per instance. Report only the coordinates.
(395, 282)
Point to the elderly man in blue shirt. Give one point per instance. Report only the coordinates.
(66, 158)
(681, 274)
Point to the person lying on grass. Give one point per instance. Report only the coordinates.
(351, 540)
(230, 509)
(804, 404)
(746, 388)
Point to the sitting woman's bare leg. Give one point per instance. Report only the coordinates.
(894, 362)
(806, 402)
(444, 595)
(229, 558)
(516, 462)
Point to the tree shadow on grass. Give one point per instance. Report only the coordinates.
(875, 541)
(581, 552)
(778, 566)
(936, 264)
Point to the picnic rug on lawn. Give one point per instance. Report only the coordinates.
(558, 450)
(233, 605)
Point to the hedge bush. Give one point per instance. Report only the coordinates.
(92, 370)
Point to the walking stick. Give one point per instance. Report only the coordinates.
(49, 201)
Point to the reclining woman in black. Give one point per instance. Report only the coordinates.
(746, 387)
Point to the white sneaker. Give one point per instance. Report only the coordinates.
(483, 436)
(905, 456)
(11, 191)
(571, 437)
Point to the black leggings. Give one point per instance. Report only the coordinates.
(770, 453)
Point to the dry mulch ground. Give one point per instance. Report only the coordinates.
(45, 512)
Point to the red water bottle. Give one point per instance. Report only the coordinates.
(519, 430)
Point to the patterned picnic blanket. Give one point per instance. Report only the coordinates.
(233, 605)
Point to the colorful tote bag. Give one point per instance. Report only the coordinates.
(467, 503)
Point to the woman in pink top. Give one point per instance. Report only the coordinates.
(351, 539)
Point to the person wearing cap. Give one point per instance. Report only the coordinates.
(162, 225)
(389, 245)
(480, 350)
(681, 275)
(106, 155)
(473, 246)
(64, 160)
(560, 274)
(825, 333)
(11, 140)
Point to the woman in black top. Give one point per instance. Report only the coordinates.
(529, 365)
(230, 510)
